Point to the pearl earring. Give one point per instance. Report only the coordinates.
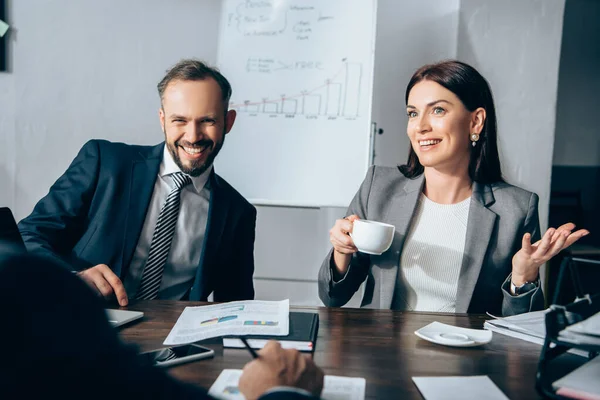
(474, 139)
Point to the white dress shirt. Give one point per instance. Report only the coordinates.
(188, 239)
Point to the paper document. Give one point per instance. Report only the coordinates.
(458, 387)
(530, 327)
(237, 318)
(334, 387)
(532, 324)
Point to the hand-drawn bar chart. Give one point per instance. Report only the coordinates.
(301, 73)
(338, 96)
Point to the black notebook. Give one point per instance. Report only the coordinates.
(303, 334)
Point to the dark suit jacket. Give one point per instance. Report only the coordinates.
(95, 212)
(499, 215)
(58, 342)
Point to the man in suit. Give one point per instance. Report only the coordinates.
(149, 222)
(61, 345)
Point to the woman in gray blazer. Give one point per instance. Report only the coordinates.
(465, 240)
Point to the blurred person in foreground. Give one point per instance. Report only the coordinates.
(59, 344)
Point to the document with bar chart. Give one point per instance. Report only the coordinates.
(302, 75)
(236, 318)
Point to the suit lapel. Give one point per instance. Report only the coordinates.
(217, 217)
(404, 201)
(479, 231)
(399, 214)
(143, 177)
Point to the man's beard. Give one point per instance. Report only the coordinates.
(196, 167)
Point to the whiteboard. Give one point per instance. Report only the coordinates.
(302, 78)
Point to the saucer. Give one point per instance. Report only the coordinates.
(449, 335)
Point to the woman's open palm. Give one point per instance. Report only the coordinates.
(528, 260)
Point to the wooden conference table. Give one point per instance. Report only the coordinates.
(379, 345)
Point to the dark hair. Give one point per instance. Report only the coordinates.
(195, 70)
(473, 91)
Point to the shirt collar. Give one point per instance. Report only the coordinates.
(168, 167)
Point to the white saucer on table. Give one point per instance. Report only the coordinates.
(449, 335)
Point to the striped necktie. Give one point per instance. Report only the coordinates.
(161, 240)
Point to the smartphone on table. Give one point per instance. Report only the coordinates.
(170, 356)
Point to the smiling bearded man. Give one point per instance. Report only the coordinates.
(148, 222)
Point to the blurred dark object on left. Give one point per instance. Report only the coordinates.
(4, 39)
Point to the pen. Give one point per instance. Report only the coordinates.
(250, 349)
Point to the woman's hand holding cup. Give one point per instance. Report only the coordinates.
(343, 245)
(339, 235)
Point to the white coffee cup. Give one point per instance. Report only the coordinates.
(372, 237)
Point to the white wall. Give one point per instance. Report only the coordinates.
(577, 140)
(409, 35)
(88, 69)
(515, 44)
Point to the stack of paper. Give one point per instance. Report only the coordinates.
(334, 388)
(584, 332)
(237, 318)
(529, 326)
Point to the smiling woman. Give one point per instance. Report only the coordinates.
(465, 240)
(457, 89)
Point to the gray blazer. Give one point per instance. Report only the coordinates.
(499, 215)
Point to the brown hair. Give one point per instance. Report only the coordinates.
(195, 70)
(473, 91)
